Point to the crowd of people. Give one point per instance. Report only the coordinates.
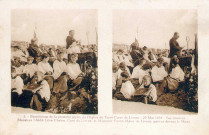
(141, 72)
(62, 80)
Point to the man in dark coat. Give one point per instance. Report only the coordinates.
(70, 38)
(33, 49)
(175, 49)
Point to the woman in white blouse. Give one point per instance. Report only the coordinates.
(74, 71)
(44, 65)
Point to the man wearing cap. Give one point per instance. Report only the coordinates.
(175, 49)
(70, 38)
(33, 49)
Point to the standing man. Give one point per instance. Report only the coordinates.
(70, 39)
(175, 49)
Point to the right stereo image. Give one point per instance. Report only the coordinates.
(155, 62)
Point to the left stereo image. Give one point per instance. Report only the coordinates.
(54, 61)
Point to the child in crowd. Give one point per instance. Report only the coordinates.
(41, 94)
(151, 93)
(127, 89)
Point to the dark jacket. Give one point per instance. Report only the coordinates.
(175, 49)
(69, 41)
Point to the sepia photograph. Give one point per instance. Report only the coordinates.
(54, 61)
(155, 61)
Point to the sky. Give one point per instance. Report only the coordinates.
(155, 27)
(53, 25)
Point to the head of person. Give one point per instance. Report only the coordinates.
(176, 35)
(39, 76)
(159, 62)
(175, 60)
(147, 80)
(125, 75)
(147, 66)
(45, 58)
(120, 52)
(30, 60)
(114, 68)
(38, 59)
(122, 66)
(145, 48)
(73, 58)
(71, 32)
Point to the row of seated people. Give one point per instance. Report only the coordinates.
(148, 79)
(37, 82)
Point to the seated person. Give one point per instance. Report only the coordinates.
(16, 87)
(41, 95)
(29, 69)
(171, 82)
(136, 70)
(44, 66)
(122, 68)
(74, 72)
(151, 93)
(127, 88)
(59, 66)
(158, 71)
(145, 70)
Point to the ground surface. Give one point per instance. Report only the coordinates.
(130, 107)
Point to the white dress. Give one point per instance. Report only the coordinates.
(30, 69)
(45, 90)
(73, 70)
(18, 84)
(177, 73)
(44, 67)
(59, 68)
(142, 73)
(135, 73)
(127, 89)
(158, 73)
